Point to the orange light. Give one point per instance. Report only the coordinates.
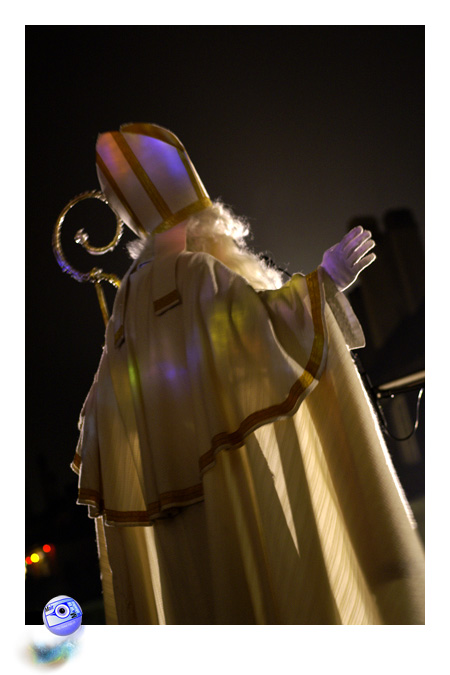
(46, 548)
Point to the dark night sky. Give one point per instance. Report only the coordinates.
(297, 128)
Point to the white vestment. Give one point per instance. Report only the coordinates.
(233, 463)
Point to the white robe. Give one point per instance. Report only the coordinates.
(233, 462)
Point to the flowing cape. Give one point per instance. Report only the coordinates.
(236, 421)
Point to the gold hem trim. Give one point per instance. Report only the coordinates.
(185, 497)
(167, 500)
(236, 438)
(76, 463)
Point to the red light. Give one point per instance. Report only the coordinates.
(28, 560)
(46, 548)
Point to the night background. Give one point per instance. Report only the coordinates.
(305, 130)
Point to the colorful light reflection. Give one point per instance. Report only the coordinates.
(53, 654)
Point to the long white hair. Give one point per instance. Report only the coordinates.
(218, 231)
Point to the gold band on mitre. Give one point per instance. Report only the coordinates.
(148, 177)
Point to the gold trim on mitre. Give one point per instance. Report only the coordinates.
(167, 136)
(178, 217)
(142, 175)
(151, 187)
(154, 131)
(107, 174)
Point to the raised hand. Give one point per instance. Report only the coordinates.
(345, 261)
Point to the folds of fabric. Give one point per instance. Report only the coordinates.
(299, 516)
(191, 382)
(355, 470)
